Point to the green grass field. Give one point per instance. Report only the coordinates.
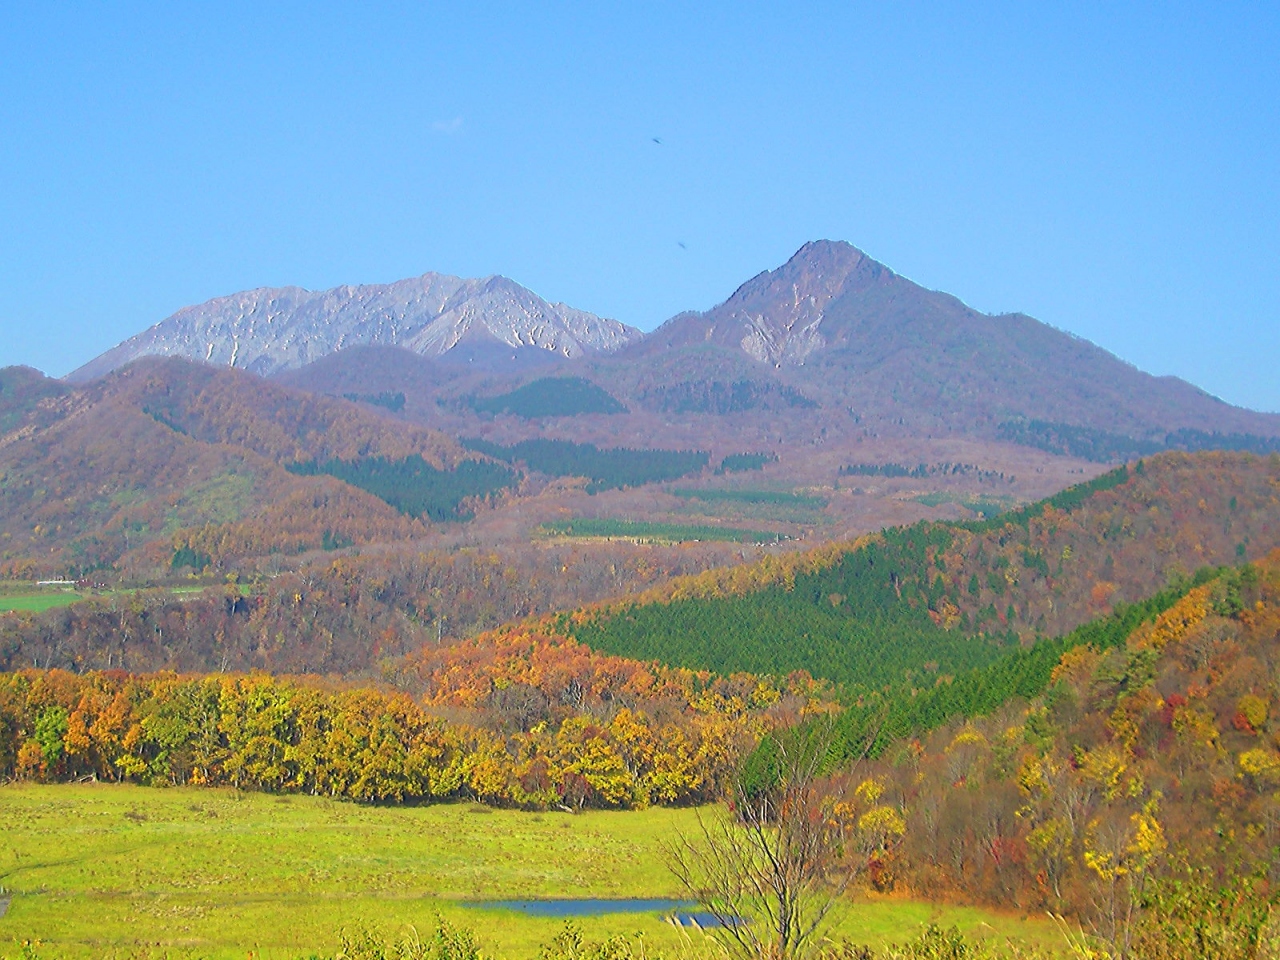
(752, 506)
(33, 601)
(39, 602)
(107, 871)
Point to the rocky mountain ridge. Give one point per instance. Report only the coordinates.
(269, 330)
(865, 351)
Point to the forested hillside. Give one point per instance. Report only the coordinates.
(238, 409)
(1154, 756)
(415, 487)
(604, 468)
(962, 592)
(23, 391)
(550, 397)
(1103, 446)
(166, 456)
(337, 614)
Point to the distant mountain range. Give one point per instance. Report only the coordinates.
(268, 330)
(823, 400)
(831, 329)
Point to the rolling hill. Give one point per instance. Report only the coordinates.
(955, 595)
(168, 454)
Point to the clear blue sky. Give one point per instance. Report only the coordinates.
(1108, 168)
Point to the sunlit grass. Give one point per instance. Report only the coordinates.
(39, 602)
(98, 870)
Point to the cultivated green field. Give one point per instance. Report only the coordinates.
(39, 602)
(28, 599)
(746, 506)
(106, 871)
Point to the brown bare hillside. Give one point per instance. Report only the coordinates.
(160, 454)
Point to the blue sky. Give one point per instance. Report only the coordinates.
(1109, 169)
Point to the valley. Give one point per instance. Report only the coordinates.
(388, 598)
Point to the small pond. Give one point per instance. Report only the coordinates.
(683, 912)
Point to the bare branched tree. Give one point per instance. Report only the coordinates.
(771, 865)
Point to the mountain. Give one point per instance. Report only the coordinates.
(269, 330)
(849, 332)
(830, 345)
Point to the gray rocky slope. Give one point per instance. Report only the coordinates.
(270, 330)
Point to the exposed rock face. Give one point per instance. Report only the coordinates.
(269, 330)
(848, 332)
(830, 329)
(780, 312)
(782, 317)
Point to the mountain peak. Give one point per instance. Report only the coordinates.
(829, 253)
(270, 330)
(776, 316)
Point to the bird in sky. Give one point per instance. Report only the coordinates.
(657, 140)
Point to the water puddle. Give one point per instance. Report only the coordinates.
(683, 912)
(582, 908)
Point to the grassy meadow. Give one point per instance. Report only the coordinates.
(25, 598)
(38, 602)
(107, 871)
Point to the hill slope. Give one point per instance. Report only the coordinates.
(166, 453)
(1168, 736)
(955, 595)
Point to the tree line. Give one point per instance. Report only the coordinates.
(515, 744)
(742, 462)
(415, 487)
(605, 469)
(721, 397)
(550, 397)
(645, 531)
(1102, 446)
(921, 470)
